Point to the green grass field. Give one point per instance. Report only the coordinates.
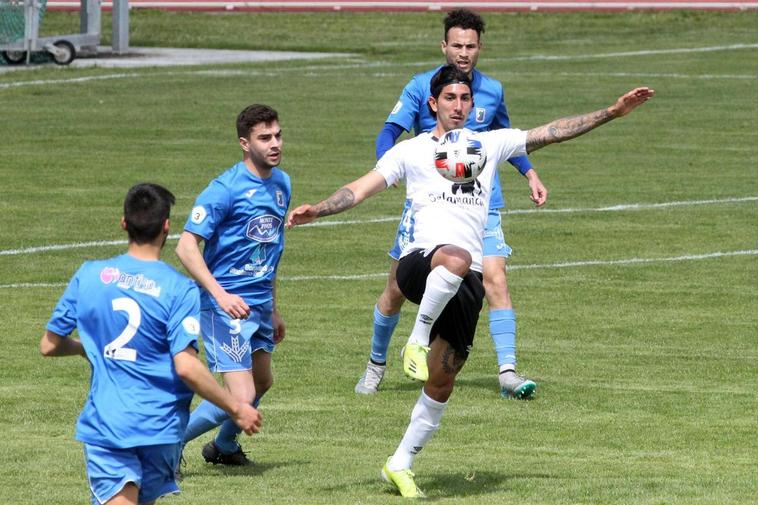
(635, 287)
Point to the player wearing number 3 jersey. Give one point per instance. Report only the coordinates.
(138, 327)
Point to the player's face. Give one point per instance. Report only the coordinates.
(264, 145)
(452, 106)
(462, 48)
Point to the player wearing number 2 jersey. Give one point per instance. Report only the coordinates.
(138, 326)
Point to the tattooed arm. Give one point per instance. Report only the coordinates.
(571, 127)
(345, 198)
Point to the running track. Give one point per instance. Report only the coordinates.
(419, 5)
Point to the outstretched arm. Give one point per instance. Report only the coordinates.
(571, 127)
(346, 197)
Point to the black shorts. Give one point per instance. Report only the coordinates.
(457, 323)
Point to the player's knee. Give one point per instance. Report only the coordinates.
(263, 384)
(454, 259)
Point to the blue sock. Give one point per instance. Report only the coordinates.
(226, 439)
(203, 419)
(503, 332)
(380, 340)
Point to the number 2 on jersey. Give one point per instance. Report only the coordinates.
(116, 350)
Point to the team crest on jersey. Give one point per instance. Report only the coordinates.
(191, 325)
(397, 107)
(198, 214)
(280, 199)
(264, 228)
(481, 114)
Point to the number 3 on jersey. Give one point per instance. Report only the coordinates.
(116, 350)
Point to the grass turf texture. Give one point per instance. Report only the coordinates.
(646, 372)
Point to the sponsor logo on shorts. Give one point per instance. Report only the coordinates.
(235, 351)
(264, 228)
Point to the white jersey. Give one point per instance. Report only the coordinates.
(444, 212)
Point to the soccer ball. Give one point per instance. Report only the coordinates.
(459, 156)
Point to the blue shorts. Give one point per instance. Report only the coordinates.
(230, 343)
(150, 467)
(494, 240)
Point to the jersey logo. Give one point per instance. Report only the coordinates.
(264, 228)
(480, 114)
(198, 214)
(397, 107)
(138, 283)
(191, 325)
(250, 193)
(280, 199)
(468, 188)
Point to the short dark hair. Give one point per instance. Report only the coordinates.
(146, 208)
(447, 74)
(253, 115)
(464, 19)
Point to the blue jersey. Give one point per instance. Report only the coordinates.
(241, 216)
(489, 113)
(133, 316)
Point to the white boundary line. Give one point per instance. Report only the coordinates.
(567, 264)
(385, 219)
(367, 65)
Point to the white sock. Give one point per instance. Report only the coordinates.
(441, 286)
(425, 420)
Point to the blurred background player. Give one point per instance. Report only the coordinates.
(441, 267)
(240, 218)
(137, 321)
(461, 47)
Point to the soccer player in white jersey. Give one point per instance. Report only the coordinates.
(240, 217)
(440, 269)
(138, 326)
(463, 30)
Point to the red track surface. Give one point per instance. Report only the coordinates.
(420, 5)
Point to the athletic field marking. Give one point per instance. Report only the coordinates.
(565, 264)
(364, 65)
(386, 219)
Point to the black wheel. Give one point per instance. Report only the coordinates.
(65, 52)
(14, 57)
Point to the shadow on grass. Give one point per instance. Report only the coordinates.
(259, 468)
(442, 485)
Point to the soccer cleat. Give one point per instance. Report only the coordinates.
(414, 361)
(372, 377)
(513, 385)
(212, 454)
(403, 481)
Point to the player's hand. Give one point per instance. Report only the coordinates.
(247, 418)
(301, 215)
(233, 305)
(279, 328)
(630, 101)
(538, 191)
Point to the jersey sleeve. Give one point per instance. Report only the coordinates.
(210, 209)
(407, 108)
(504, 143)
(184, 321)
(391, 166)
(502, 120)
(64, 318)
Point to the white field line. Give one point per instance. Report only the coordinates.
(565, 264)
(385, 219)
(317, 69)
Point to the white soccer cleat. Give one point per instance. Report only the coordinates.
(372, 377)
